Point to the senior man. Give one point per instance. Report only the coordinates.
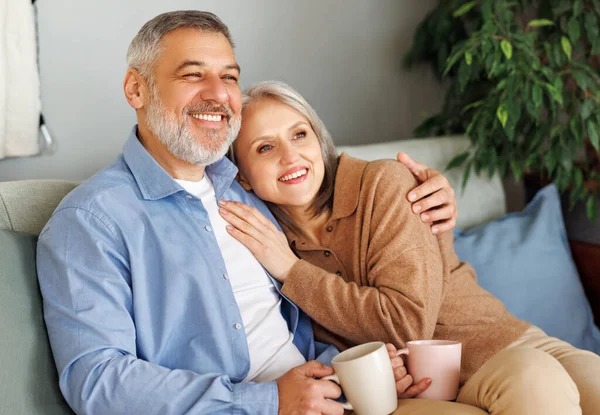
(151, 307)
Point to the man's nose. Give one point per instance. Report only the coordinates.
(214, 90)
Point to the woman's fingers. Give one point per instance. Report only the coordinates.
(403, 385)
(439, 198)
(442, 213)
(414, 390)
(240, 223)
(435, 182)
(444, 226)
(245, 210)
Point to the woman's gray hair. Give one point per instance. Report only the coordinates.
(287, 95)
(145, 48)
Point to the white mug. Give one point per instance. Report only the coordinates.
(366, 376)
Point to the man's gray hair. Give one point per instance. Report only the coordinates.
(287, 95)
(145, 48)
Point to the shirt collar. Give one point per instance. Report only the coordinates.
(155, 183)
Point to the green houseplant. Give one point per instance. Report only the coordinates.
(522, 82)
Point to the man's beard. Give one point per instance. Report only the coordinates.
(178, 137)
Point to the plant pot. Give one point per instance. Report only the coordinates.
(579, 227)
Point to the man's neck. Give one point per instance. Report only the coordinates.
(178, 169)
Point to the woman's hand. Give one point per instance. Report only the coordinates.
(434, 199)
(404, 381)
(268, 245)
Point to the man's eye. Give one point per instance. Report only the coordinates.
(191, 75)
(301, 134)
(264, 148)
(230, 78)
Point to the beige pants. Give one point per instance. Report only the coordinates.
(536, 374)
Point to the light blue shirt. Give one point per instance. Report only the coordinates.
(140, 315)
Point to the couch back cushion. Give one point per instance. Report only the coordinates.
(26, 205)
(482, 200)
(27, 372)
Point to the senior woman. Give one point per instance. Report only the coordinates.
(364, 268)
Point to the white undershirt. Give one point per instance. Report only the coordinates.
(272, 352)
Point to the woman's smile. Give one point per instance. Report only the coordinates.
(294, 175)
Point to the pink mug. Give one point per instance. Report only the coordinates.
(438, 360)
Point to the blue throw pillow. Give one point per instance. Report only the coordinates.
(524, 259)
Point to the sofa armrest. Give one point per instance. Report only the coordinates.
(26, 205)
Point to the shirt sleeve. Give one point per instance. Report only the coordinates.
(402, 276)
(86, 286)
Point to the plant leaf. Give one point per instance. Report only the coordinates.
(591, 26)
(466, 175)
(468, 58)
(554, 93)
(516, 169)
(471, 106)
(506, 48)
(587, 109)
(502, 115)
(540, 23)
(574, 30)
(590, 207)
(537, 96)
(583, 80)
(457, 160)
(465, 8)
(566, 45)
(593, 135)
(577, 7)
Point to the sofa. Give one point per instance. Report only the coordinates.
(28, 376)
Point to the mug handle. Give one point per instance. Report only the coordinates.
(401, 352)
(334, 378)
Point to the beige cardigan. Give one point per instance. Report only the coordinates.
(381, 275)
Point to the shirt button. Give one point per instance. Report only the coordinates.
(208, 228)
(329, 228)
(237, 326)
(338, 273)
(226, 276)
(326, 253)
(188, 196)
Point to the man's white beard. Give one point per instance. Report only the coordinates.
(178, 138)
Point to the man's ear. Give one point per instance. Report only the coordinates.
(242, 180)
(136, 89)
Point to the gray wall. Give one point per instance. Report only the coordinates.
(343, 55)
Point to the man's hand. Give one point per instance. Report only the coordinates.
(434, 199)
(404, 381)
(300, 393)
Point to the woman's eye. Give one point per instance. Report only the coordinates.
(301, 134)
(264, 148)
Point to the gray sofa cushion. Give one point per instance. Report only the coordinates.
(26, 205)
(28, 378)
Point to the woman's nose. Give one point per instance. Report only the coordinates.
(288, 153)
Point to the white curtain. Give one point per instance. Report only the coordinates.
(20, 104)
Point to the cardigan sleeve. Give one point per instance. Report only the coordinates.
(400, 298)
